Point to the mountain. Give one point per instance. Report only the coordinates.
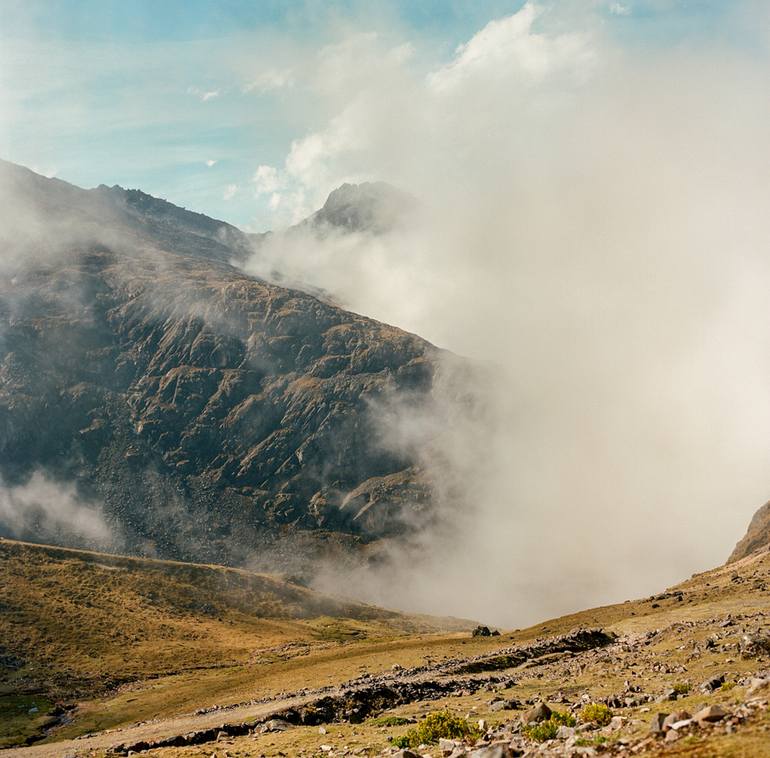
(757, 535)
(375, 207)
(202, 413)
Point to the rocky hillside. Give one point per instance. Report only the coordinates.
(207, 414)
(757, 535)
(683, 672)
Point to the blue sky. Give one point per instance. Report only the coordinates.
(186, 98)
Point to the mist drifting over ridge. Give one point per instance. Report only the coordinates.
(592, 230)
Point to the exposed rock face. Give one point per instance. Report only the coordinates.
(757, 536)
(371, 206)
(213, 414)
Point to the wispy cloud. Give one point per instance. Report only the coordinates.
(270, 79)
(203, 95)
(620, 9)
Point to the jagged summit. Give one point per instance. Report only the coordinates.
(375, 207)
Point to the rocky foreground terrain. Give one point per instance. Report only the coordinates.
(204, 413)
(683, 672)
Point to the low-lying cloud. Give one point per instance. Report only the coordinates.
(44, 510)
(593, 231)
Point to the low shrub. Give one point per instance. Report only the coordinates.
(546, 730)
(596, 713)
(435, 726)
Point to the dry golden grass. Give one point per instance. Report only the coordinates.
(80, 620)
(260, 638)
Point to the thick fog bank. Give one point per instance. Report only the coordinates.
(593, 231)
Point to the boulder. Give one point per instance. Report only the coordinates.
(712, 684)
(539, 712)
(275, 725)
(710, 714)
(757, 685)
(499, 750)
(674, 718)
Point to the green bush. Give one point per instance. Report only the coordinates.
(562, 718)
(435, 726)
(682, 688)
(596, 713)
(546, 730)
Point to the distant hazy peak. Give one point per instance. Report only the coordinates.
(36, 202)
(157, 211)
(375, 207)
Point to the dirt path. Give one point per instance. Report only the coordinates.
(155, 730)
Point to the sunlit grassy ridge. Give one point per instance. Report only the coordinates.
(73, 620)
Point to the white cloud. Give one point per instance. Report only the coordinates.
(44, 509)
(211, 162)
(230, 192)
(266, 179)
(594, 227)
(508, 47)
(619, 9)
(271, 79)
(203, 95)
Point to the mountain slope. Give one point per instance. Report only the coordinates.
(207, 414)
(757, 535)
(76, 624)
(75, 620)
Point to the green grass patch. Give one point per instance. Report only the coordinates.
(599, 739)
(436, 726)
(22, 717)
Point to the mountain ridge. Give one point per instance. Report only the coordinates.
(214, 414)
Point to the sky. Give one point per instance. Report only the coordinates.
(186, 99)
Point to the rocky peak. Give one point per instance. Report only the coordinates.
(375, 207)
(757, 535)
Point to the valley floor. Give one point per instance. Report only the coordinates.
(705, 642)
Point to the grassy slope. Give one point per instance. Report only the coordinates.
(76, 623)
(286, 653)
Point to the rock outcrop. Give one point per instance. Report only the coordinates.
(757, 536)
